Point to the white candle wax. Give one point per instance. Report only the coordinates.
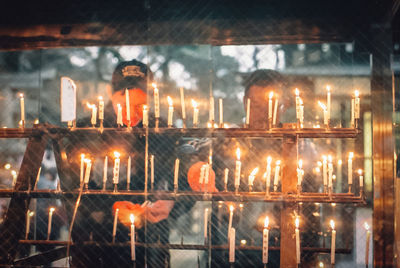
(324, 170)
(82, 168)
(275, 111)
(268, 172)
(128, 171)
(201, 179)
(22, 106)
(114, 231)
(183, 104)
(195, 113)
(265, 241)
(29, 214)
(221, 112)
(328, 102)
(205, 222)
(231, 208)
(176, 173)
(297, 232)
(226, 173)
(232, 238)
(333, 242)
(156, 103)
(87, 171)
(237, 168)
(367, 244)
(206, 176)
(248, 112)
(94, 114)
(356, 105)
(105, 170)
(276, 177)
(361, 178)
(252, 176)
(101, 108)
(352, 113)
(119, 115)
(170, 111)
(145, 116)
(127, 106)
(117, 162)
(350, 168)
(211, 113)
(133, 251)
(297, 104)
(301, 115)
(330, 172)
(152, 169)
(271, 94)
(49, 222)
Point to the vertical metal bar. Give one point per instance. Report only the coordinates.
(383, 146)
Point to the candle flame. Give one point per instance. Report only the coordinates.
(328, 88)
(297, 222)
(360, 172)
(319, 163)
(241, 205)
(300, 163)
(356, 93)
(339, 162)
(238, 153)
(21, 95)
(132, 218)
(13, 172)
(82, 156)
(330, 158)
(322, 105)
(333, 177)
(31, 213)
(118, 105)
(301, 101)
(332, 223)
(7, 166)
(90, 106)
(351, 155)
(87, 161)
(317, 169)
(266, 222)
(154, 85)
(52, 209)
(297, 92)
(170, 103)
(144, 107)
(194, 103)
(100, 98)
(366, 226)
(324, 158)
(117, 154)
(278, 162)
(231, 208)
(269, 160)
(254, 172)
(271, 95)
(36, 121)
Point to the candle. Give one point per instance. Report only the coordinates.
(324, 170)
(356, 104)
(176, 174)
(265, 241)
(301, 113)
(361, 178)
(275, 111)
(51, 210)
(119, 115)
(232, 245)
(352, 113)
(82, 168)
(87, 171)
(133, 253)
(170, 111)
(201, 179)
(93, 119)
(128, 107)
(211, 111)
(330, 171)
(252, 176)
(276, 177)
(205, 223)
(152, 170)
(333, 242)
(114, 232)
(237, 169)
(350, 168)
(183, 105)
(367, 243)
(22, 106)
(156, 102)
(328, 102)
(145, 116)
(221, 113)
(29, 214)
(300, 173)
(105, 170)
(248, 112)
(101, 108)
(195, 113)
(268, 173)
(226, 173)
(231, 208)
(297, 93)
(206, 176)
(116, 168)
(297, 232)
(128, 172)
(271, 95)
(325, 112)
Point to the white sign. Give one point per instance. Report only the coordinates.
(68, 99)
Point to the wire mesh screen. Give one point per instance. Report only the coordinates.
(167, 187)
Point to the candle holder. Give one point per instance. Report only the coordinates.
(115, 187)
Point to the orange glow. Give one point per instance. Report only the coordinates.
(52, 210)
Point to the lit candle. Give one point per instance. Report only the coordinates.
(301, 112)
(330, 171)
(29, 214)
(226, 173)
(232, 238)
(93, 119)
(205, 223)
(221, 113)
(128, 107)
(119, 115)
(101, 108)
(237, 169)
(211, 112)
(276, 177)
(252, 176)
(114, 232)
(201, 179)
(265, 241)
(22, 105)
(297, 93)
(231, 208)
(367, 243)
(170, 111)
(325, 113)
(275, 111)
(105, 171)
(128, 173)
(206, 176)
(195, 113)
(116, 168)
(268, 173)
(271, 95)
(248, 112)
(176, 174)
(352, 112)
(356, 104)
(299, 173)
(82, 168)
(87, 171)
(183, 105)
(133, 253)
(156, 102)
(152, 170)
(297, 232)
(51, 210)
(333, 242)
(361, 178)
(350, 169)
(145, 116)
(328, 102)
(324, 170)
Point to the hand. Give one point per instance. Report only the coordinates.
(194, 178)
(126, 209)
